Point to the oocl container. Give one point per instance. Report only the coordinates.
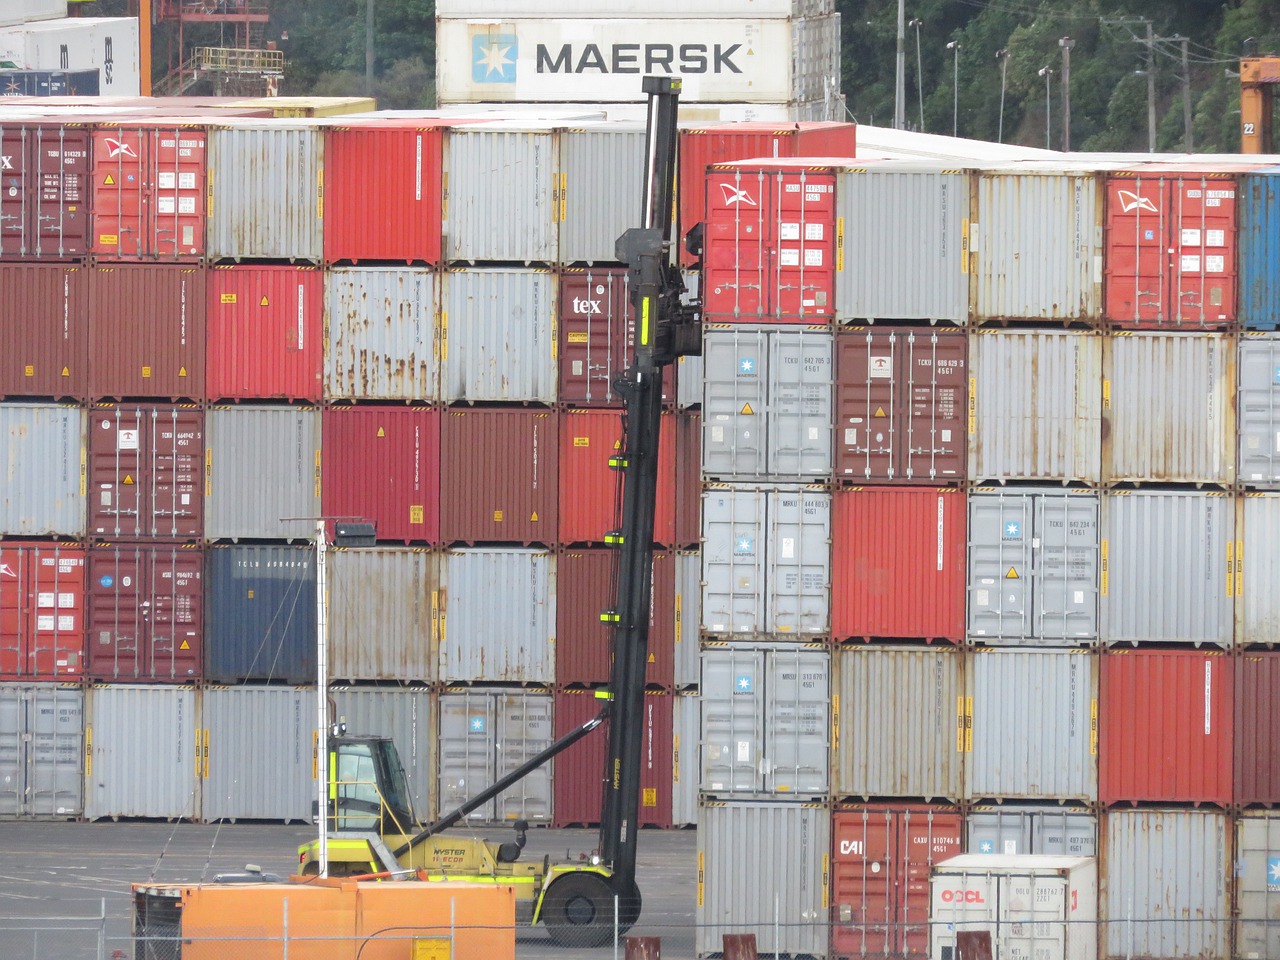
(42, 600)
(44, 191)
(44, 329)
(1038, 830)
(394, 587)
(1257, 746)
(41, 751)
(1258, 411)
(42, 460)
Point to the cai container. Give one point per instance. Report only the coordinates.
(1042, 830)
(601, 169)
(41, 751)
(42, 461)
(44, 190)
(1258, 411)
(1257, 730)
(409, 716)
(395, 588)
(42, 610)
(44, 330)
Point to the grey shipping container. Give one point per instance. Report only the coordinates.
(1030, 729)
(1257, 935)
(41, 752)
(381, 615)
(141, 756)
(689, 368)
(601, 174)
(1167, 402)
(1050, 831)
(762, 869)
(406, 715)
(1258, 410)
(1033, 567)
(266, 190)
(262, 471)
(766, 560)
(1164, 884)
(896, 722)
(42, 464)
(497, 616)
(484, 735)
(765, 727)
(498, 335)
(1258, 570)
(380, 331)
(259, 755)
(767, 403)
(688, 617)
(685, 767)
(1168, 568)
(1035, 407)
(906, 248)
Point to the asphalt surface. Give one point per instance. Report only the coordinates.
(64, 887)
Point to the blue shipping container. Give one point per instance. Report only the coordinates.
(49, 83)
(1260, 249)
(261, 614)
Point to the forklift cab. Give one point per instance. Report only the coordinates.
(368, 790)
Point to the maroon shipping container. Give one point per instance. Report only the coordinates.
(579, 773)
(1257, 730)
(1165, 727)
(41, 611)
(146, 613)
(265, 325)
(688, 479)
(147, 331)
(898, 563)
(498, 476)
(584, 589)
(900, 405)
(881, 857)
(146, 472)
(382, 464)
(595, 334)
(44, 330)
(44, 191)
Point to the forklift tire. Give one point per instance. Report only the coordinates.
(578, 911)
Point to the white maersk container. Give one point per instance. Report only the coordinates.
(1021, 906)
(109, 44)
(21, 11)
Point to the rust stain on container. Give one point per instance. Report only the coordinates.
(44, 330)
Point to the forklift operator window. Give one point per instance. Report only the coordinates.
(355, 780)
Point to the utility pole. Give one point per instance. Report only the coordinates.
(1066, 43)
(918, 23)
(1186, 98)
(1047, 73)
(1151, 89)
(954, 46)
(368, 48)
(900, 82)
(1003, 56)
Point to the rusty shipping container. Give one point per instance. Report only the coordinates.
(146, 613)
(44, 190)
(42, 464)
(146, 472)
(1257, 730)
(383, 191)
(596, 331)
(264, 340)
(498, 476)
(42, 600)
(147, 331)
(898, 563)
(383, 465)
(1165, 720)
(393, 587)
(44, 330)
(900, 406)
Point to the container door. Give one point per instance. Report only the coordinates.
(55, 734)
(798, 565)
(1203, 241)
(121, 160)
(801, 375)
(117, 500)
(1259, 411)
(733, 524)
(801, 280)
(1258, 886)
(15, 610)
(1062, 833)
(174, 613)
(13, 750)
(999, 831)
(1138, 218)
(925, 838)
(467, 737)
(524, 729)
(797, 740)
(864, 884)
(737, 237)
(1066, 575)
(1259, 235)
(734, 413)
(1000, 565)
(934, 372)
(177, 473)
(733, 702)
(58, 181)
(177, 184)
(15, 190)
(55, 623)
(595, 323)
(1032, 917)
(118, 625)
(867, 390)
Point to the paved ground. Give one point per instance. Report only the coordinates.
(57, 879)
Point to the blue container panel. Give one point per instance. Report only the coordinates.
(1260, 250)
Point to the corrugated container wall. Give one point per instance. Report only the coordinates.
(1038, 247)
(1258, 608)
(1035, 406)
(1168, 568)
(497, 616)
(381, 614)
(44, 203)
(895, 720)
(249, 776)
(1258, 411)
(141, 754)
(1259, 224)
(266, 191)
(380, 334)
(1257, 730)
(42, 610)
(596, 332)
(1010, 830)
(42, 464)
(688, 627)
(1169, 407)
(1165, 884)
(262, 465)
(1257, 899)
(498, 335)
(601, 174)
(41, 752)
(44, 329)
(685, 766)
(409, 718)
(779, 874)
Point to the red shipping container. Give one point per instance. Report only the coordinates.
(1171, 249)
(44, 330)
(146, 613)
(584, 589)
(146, 472)
(898, 563)
(741, 141)
(1165, 727)
(383, 191)
(41, 611)
(44, 191)
(1257, 730)
(149, 191)
(579, 779)
(498, 480)
(881, 857)
(589, 487)
(769, 243)
(147, 331)
(264, 333)
(901, 403)
(382, 464)
(596, 334)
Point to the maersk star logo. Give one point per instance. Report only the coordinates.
(747, 365)
(1012, 530)
(744, 684)
(493, 59)
(986, 846)
(116, 148)
(743, 545)
(1273, 874)
(477, 724)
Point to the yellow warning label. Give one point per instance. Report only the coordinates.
(497, 516)
(381, 432)
(228, 298)
(746, 410)
(249, 594)
(650, 798)
(582, 441)
(879, 412)
(184, 645)
(416, 513)
(128, 480)
(66, 372)
(109, 239)
(29, 370)
(1012, 574)
(651, 659)
(110, 181)
(575, 336)
(263, 302)
(617, 444)
(146, 373)
(533, 517)
(182, 371)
